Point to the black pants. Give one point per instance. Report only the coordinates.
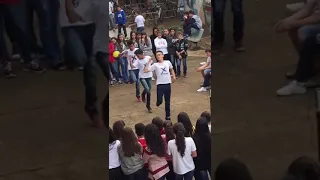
(219, 7)
(122, 26)
(138, 175)
(167, 57)
(170, 175)
(305, 66)
(164, 90)
(115, 174)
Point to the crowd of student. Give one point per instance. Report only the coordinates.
(161, 149)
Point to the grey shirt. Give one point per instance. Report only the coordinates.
(198, 21)
(131, 164)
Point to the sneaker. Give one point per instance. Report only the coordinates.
(143, 98)
(202, 89)
(112, 83)
(149, 109)
(291, 89)
(185, 76)
(15, 56)
(33, 66)
(80, 68)
(168, 118)
(138, 99)
(59, 67)
(239, 47)
(153, 78)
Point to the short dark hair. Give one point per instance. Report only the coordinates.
(179, 33)
(186, 13)
(206, 115)
(130, 42)
(139, 128)
(159, 52)
(138, 52)
(191, 12)
(208, 50)
(158, 122)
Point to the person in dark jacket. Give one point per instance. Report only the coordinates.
(181, 47)
(171, 39)
(121, 20)
(152, 37)
(202, 139)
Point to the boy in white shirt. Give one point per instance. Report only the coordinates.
(139, 20)
(161, 45)
(111, 15)
(145, 77)
(164, 71)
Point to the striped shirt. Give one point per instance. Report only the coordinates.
(157, 166)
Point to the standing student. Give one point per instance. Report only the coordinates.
(100, 50)
(130, 153)
(111, 14)
(171, 40)
(122, 60)
(145, 77)
(184, 118)
(139, 20)
(154, 154)
(202, 139)
(115, 172)
(161, 45)
(133, 72)
(112, 62)
(152, 38)
(121, 20)
(183, 150)
(162, 69)
(145, 44)
(181, 52)
(133, 38)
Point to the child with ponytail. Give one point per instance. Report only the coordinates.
(183, 150)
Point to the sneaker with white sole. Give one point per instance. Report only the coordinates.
(293, 88)
(202, 89)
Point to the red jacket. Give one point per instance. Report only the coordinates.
(9, 1)
(111, 50)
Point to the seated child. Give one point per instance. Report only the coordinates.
(192, 21)
(139, 128)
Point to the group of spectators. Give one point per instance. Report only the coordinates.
(161, 150)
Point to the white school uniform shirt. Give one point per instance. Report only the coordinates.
(110, 7)
(209, 61)
(162, 72)
(182, 165)
(83, 8)
(141, 64)
(114, 160)
(161, 45)
(140, 21)
(134, 58)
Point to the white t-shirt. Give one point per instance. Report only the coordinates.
(140, 21)
(114, 160)
(83, 8)
(141, 64)
(161, 45)
(182, 165)
(134, 57)
(110, 7)
(209, 61)
(162, 72)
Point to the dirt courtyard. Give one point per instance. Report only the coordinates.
(184, 97)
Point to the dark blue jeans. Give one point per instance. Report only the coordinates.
(206, 81)
(147, 84)
(201, 175)
(189, 27)
(187, 176)
(90, 79)
(219, 7)
(78, 44)
(134, 74)
(173, 62)
(164, 90)
(114, 70)
(123, 67)
(140, 29)
(138, 175)
(184, 62)
(47, 12)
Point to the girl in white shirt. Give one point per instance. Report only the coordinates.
(183, 150)
(115, 172)
(161, 45)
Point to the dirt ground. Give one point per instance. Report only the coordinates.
(251, 123)
(184, 97)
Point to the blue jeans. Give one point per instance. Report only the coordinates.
(184, 61)
(114, 70)
(206, 81)
(140, 29)
(219, 7)
(78, 44)
(90, 79)
(164, 90)
(173, 62)
(308, 31)
(147, 84)
(201, 175)
(134, 74)
(48, 13)
(186, 176)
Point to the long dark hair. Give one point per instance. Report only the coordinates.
(117, 128)
(231, 169)
(202, 133)
(179, 131)
(112, 137)
(154, 140)
(183, 118)
(168, 128)
(129, 142)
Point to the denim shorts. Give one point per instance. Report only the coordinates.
(308, 31)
